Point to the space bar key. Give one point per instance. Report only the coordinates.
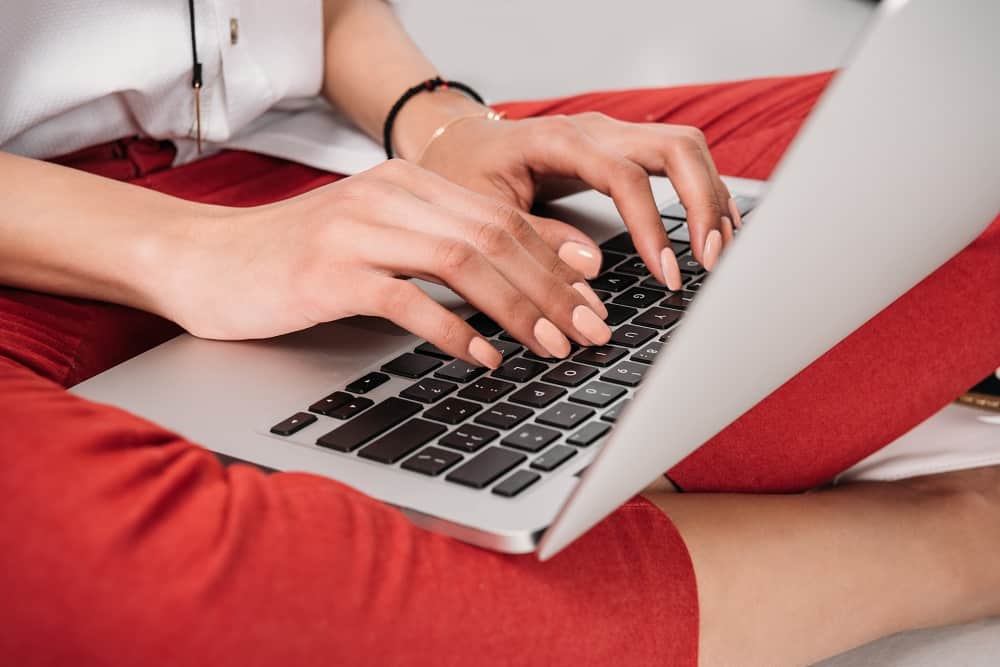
(374, 421)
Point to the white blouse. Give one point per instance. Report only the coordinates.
(78, 73)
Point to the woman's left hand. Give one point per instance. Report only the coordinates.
(520, 161)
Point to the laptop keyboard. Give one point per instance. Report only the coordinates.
(505, 430)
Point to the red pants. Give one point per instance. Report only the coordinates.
(124, 544)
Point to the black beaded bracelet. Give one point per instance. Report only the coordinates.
(428, 86)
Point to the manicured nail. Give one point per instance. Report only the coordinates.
(734, 211)
(592, 299)
(590, 325)
(584, 258)
(671, 269)
(710, 254)
(549, 337)
(727, 231)
(485, 353)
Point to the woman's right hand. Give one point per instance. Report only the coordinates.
(347, 248)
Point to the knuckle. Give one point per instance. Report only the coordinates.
(452, 256)
(450, 330)
(594, 116)
(493, 240)
(395, 168)
(629, 172)
(395, 297)
(692, 133)
(512, 222)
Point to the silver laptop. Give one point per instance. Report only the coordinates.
(896, 171)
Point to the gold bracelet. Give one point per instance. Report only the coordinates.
(488, 114)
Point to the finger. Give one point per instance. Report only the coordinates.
(409, 307)
(722, 194)
(581, 254)
(466, 270)
(678, 152)
(562, 149)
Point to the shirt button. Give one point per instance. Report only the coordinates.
(234, 31)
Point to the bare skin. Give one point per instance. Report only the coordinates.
(790, 580)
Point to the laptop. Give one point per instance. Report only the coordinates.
(896, 171)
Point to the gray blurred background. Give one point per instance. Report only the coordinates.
(522, 49)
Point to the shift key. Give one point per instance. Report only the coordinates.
(485, 467)
(367, 425)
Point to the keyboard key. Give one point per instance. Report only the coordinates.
(612, 282)
(627, 373)
(293, 424)
(659, 318)
(351, 408)
(675, 211)
(460, 371)
(433, 351)
(638, 297)
(631, 335)
(516, 483)
(690, 266)
(452, 410)
(609, 259)
(411, 365)
(429, 390)
(589, 434)
(665, 337)
(484, 325)
(633, 267)
(618, 314)
(370, 424)
(528, 354)
(621, 243)
(531, 438)
(503, 415)
(332, 402)
(537, 394)
(468, 438)
(553, 458)
(679, 300)
(615, 412)
(602, 295)
(569, 374)
(485, 467)
(653, 283)
(647, 354)
(598, 394)
(695, 284)
(603, 355)
(682, 234)
(565, 415)
(519, 370)
(506, 348)
(401, 441)
(365, 384)
(431, 461)
(486, 390)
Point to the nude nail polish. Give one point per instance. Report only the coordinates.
(734, 211)
(484, 353)
(592, 299)
(713, 245)
(549, 337)
(727, 231)
(590, 325)
(671, 269)
(584, 258)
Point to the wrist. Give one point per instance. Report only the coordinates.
(424, 114)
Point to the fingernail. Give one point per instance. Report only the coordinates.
(549, 337)
(734, 211)
(590, 325)
(584, 258)
(592, 299)
(671, 269)
(727, 231)
(710, 254)
(484, 353)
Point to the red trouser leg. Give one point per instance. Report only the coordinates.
(124, 544)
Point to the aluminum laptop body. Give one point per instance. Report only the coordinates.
(896, 171)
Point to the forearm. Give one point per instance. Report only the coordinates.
(370, 61)
(63, 231)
